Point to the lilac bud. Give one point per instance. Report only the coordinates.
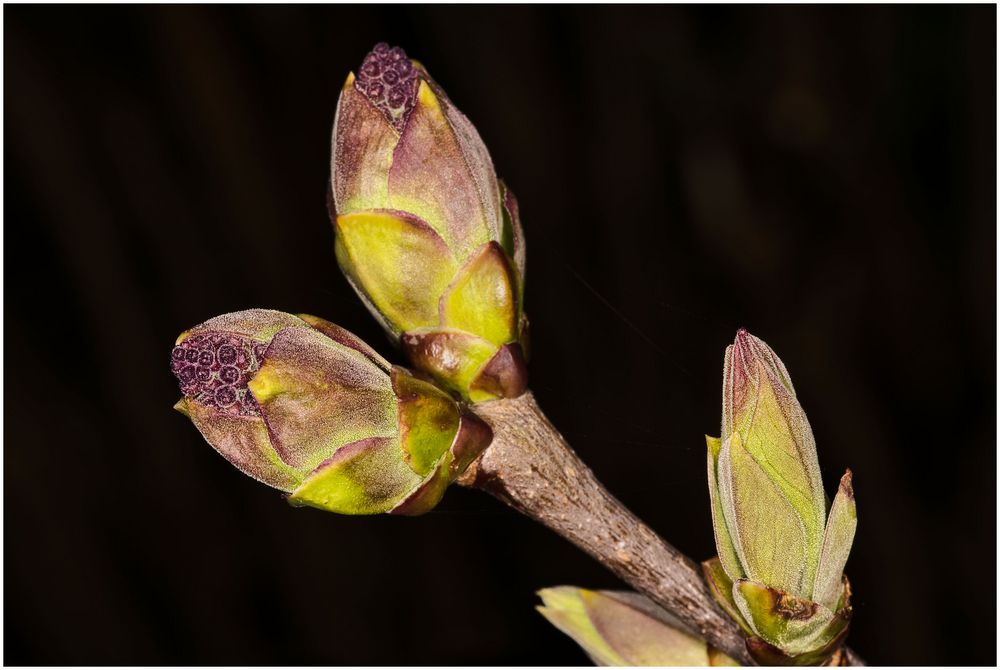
(306, 407)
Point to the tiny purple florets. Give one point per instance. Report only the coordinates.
(214, 368)
(389, 80)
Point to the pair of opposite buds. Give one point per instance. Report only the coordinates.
(431, 241)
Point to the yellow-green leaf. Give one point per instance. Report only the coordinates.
(400, 264)
(767, 534)
(428, 420)
(794, 625)
(621, 629)
(840, 528)
(481, 299)
(364, 477)
(730, 562)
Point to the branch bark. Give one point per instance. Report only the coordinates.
(530, 467)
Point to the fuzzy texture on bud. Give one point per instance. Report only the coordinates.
(306, 407)
(782, 550)
(425, 232)
(620, 628)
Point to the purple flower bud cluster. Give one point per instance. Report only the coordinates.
(389, 80)
(214, 368)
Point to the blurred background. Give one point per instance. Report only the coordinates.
(824, 177)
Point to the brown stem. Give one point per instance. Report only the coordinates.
(530, 467)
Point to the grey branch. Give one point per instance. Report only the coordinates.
(530, 467)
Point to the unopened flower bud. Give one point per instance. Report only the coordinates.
(303, 405)
(425, 233)
(782, 551)
(620, 628)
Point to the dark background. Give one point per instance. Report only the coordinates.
(823, 176)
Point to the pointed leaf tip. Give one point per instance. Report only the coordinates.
(505, 375)
(838, 538)
(481, 300)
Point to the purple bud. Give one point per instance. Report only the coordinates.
(245, 361)
(216, 380)
(225, 396)
(375, 90)
(187, 374)
(227, 354)
(390, 82)
(403, 67)
(397, 97)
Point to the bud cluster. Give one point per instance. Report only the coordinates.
(389, 80)
(214, 370)
(304, 406)
(426, 234)
(431, 241)
(782, 550)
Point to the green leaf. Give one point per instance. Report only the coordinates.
(730, 562)
(721, 588)
(767, 534)
(840, 528)
(760, 404)
(398, 262)
(364, 477)
(621, 629)
(794, 625)
(428, 421)
(481, 299)
(429, 493)
(781, 442)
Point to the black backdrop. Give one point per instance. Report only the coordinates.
(823, 176)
